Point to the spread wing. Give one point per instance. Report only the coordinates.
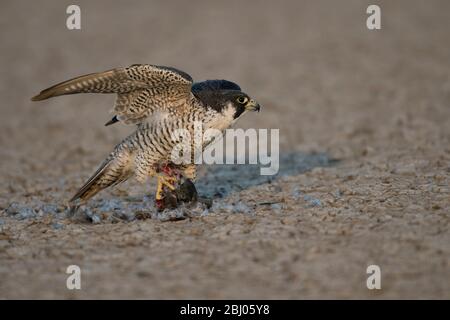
(141, 89)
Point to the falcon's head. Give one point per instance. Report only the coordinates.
(240, 102)
(225, 97)
(231, 105)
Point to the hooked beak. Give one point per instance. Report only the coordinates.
(252, 105)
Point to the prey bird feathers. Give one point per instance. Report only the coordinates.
(159, 100)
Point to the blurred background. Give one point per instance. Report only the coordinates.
(376, 100)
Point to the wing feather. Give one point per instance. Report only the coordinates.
(141, 89)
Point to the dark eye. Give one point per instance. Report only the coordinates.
(242, 100)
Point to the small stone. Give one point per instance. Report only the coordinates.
(338, 194)
(276, 207)
(241, 208)
(57, 226)
(95, 219)
(296, 193)
(312, 201)
(142, 215)
(289, 221)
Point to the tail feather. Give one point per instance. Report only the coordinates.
(91, 187)
(110, 173)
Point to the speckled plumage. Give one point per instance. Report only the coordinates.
(159, 100)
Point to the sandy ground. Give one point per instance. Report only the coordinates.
(376, 101)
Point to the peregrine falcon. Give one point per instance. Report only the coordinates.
(159, 100)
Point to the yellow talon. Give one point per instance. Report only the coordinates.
(164, 181)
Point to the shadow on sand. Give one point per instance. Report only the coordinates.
(218, 181)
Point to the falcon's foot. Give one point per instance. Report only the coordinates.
(162, 196)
